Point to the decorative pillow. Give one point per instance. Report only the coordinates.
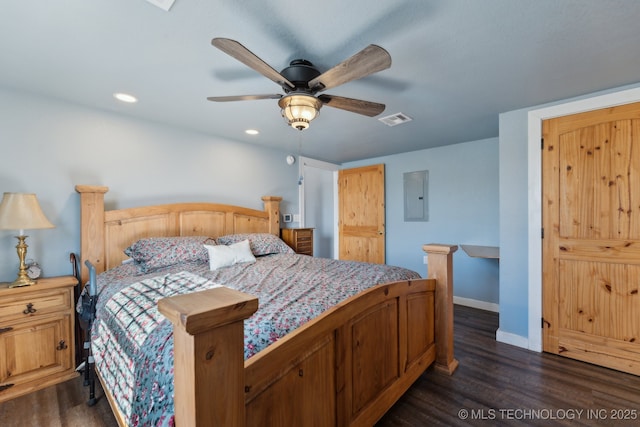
(152, 253)
(261, 243)
(224, 256)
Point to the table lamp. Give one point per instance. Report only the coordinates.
(21, 211)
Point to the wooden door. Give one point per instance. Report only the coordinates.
(591, 237)
(361, 214)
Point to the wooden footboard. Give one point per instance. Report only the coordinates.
(344, 368)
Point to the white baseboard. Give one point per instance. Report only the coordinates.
(474, 303)
(512, 339)
(501, 336)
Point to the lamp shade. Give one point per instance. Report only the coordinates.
(21, 211)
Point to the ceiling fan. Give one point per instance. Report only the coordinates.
(301, 81)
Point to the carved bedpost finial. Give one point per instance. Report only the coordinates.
(208, 334)
(272, 207)
(440, 267)
(91, 228)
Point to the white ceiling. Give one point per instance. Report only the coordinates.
(456, 64)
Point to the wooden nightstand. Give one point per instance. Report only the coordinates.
(300, 239)
(36, 336)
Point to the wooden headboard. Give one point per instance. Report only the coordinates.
(104, 235)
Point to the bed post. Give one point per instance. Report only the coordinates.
(91, 228)
(272, 207)
(440, 267)
(208, 342)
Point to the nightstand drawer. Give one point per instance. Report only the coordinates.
(304, 235)
(304, 246)
(35, 304)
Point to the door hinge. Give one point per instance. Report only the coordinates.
(542, 233)
(542, 143)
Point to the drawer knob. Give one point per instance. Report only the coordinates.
(29, 309)
(61, 345)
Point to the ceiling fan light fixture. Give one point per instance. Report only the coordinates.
(299, 109)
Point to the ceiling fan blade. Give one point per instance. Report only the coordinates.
(366, 108)
(244, 55)
(242, 97)
(369, 60)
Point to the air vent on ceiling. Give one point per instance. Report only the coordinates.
(395, 119)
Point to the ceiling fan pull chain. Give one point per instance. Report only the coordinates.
(300, 177)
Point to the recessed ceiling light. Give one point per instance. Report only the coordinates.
(251, 132)
(125, 97)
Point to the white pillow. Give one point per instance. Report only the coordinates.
(224, 256)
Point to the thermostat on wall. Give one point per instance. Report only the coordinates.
(287, 217)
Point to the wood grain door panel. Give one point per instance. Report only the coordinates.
(361, 220)
(591, 245)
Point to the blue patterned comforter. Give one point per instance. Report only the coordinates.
(132, 342)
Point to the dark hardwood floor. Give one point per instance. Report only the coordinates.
(499, 384)
(495, 384)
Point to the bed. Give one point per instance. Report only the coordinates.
(337, 360)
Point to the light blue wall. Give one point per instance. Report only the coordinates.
(47, 147)
(513, 223)
(463, 208)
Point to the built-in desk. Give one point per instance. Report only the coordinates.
(476, 251)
